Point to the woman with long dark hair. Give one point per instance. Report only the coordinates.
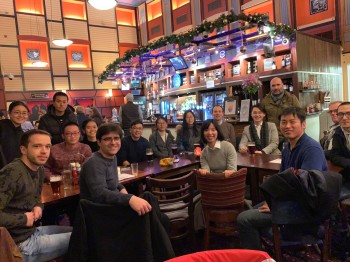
(264, 134)
(189, 134)
(218, 155)
(161, 139)
(89, 128)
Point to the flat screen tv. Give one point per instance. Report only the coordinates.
(178, 63)
(135, 83)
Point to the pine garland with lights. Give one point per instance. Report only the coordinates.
(206, 27)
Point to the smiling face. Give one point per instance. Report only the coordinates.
(161, 125)
(257, 115)
(211, 135)
(109, 144)
(189, 118)
(18, 115)
(91, 129)
(136, 131)
(218, 113)
(291, 127)
(332, 110)
(37, 152)
(276, 86)
(71, 134)
(344, 121)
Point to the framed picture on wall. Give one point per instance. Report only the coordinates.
(77, 56)
(318, 6)
(245, 107)
(33, 54)
(230, 105)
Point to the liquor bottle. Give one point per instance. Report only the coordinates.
(291, 87)
(273, 67)
(288, 60)
(283, 62)
(74, 174)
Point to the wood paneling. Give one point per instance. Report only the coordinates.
(8, 33)
(6, 7)
(101, 17)
(61, 83)
(213, 7)
(13, 85)
(37, 80)
(81, 80)
(76, 29)
(182, 16)
(31, 25)
(103, 39)
(127, 34)
(155, 28)
(10, 62)
(100, 60)
(59, 62)
(104, 85)
(53, 10)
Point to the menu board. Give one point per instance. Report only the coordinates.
(141, 102)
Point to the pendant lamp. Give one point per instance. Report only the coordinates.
(102, 4)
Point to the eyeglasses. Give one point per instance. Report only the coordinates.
(137, 128)
(72, 134)
(17, 113)
(332, 111)
(342, 114)
(110, 139)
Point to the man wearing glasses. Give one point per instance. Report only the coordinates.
(328, 135)
(70, 150)
(133, 149)
(340, 152)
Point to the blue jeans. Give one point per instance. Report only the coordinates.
(47, 243)
(251, 223)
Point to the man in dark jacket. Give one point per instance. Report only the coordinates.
(58, 114)
(128, 113)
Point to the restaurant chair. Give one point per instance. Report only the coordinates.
(227, 255)
(222, 201)
(9, 250)
(175, 196)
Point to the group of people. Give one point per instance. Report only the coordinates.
(31, 157)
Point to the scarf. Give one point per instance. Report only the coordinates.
(277, 99)
(263, 141)
(347, 137)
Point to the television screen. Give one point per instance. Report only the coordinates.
(178, 63)
(135, 83)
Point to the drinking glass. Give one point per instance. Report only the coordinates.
(55, 182)
(67, 178)
(174, 150)
(134, 169)
(149, 154)
(251, 148)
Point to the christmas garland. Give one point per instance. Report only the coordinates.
(206, 27)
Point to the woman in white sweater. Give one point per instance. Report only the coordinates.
(264, 134)
(218, 155)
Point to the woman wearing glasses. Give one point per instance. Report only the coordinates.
(161, 139)
(69, 151)
(11, 132)
(263, 134)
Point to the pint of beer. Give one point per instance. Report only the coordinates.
(55, 182)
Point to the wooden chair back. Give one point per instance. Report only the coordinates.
(175, 196)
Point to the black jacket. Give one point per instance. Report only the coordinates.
(10, 137)
(52, 124)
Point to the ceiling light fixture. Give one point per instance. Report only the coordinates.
(40, 64)
(103, 4)
(62, 42)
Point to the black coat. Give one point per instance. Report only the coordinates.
(52, 124)
(10, 137)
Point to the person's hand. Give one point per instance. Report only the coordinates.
(30, 218)
(243, 149)
(228, 173)
(123, 191)
(126, 163)
(203, 171)
(140, 205)
(264, 208)
(259, 152)
(38, 212)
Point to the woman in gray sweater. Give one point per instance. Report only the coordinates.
(218, 155)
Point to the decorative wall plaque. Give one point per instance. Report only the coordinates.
(77, 56)
(318, 6)
(33, 54)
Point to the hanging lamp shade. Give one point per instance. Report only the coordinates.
(62, 42)
(39, 64)
(102, 4)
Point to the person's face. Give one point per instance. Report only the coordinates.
(136, 131)
(18, 115)
(109, 144)
(211, 134)
(218, 113)
(91, 129)
(190, 119)
(37, 152)
(291, 127)
(344, 121)
(276, 86)
(257, 115)
(60, 104)
(333, 112)
(161, 125)
(71, 135)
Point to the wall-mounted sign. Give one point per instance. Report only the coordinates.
(39, 95)
(222, 54)
(210, 84)
(33, 54)
(318, 6)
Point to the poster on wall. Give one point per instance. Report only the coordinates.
(318, 6)
(245, 107)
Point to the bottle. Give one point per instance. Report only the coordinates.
(283, 62)
(74, 174)
(291, 88)
(273, 67)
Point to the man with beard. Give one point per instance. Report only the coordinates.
(20, 206)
